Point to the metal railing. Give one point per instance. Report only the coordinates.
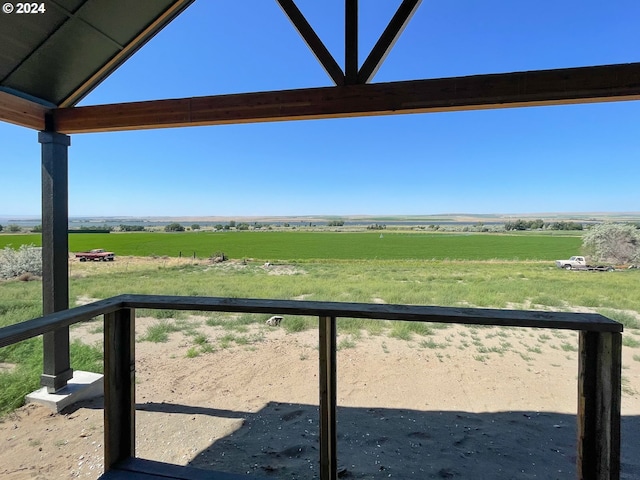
(599, 369)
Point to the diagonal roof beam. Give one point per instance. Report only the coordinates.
(387, 40)
(520, 89)
(313, 41)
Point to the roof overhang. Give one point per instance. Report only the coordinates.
(53, 59)
(59, 55)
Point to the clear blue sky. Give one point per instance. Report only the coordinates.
(547, 159)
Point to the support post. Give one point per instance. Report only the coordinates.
(55, 256)
(328, 399)
(119, 387)
(599, 392)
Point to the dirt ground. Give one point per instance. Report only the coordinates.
(432, 407)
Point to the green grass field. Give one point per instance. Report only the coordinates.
(276, 246)
(482, 270)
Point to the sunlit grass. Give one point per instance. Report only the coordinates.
(492, 284)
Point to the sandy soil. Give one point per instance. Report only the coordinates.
(433, 407)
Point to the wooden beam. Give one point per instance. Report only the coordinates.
(23, 330)
(24, 113)
(599, 396)
(312, 40)
(119, 387)
(520, 89)
(328, 398)
(387, 40)
(351, 42)
(592, 322)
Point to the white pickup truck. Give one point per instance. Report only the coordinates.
(580, 263)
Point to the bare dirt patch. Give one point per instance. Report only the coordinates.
(461, 403)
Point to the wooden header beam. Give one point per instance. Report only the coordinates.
(22, 112)
(521, 89)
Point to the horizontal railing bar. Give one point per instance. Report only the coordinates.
(417, 313)
(588, 322)
(31, 328)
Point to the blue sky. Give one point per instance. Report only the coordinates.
(581, 158)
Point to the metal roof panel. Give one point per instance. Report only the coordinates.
(61, 55)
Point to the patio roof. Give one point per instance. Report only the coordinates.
(58, 56)
(51, 60)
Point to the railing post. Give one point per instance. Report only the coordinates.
(119, 387)
(599, 390)
(328, 399)
(55, 256)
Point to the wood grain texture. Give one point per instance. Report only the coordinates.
(520, 89)
(22, 112)
(599, 397)
(328, 398)
(119, 387)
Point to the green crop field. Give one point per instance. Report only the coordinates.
(395, 267)
(322, 245)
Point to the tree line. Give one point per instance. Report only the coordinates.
(539, 224)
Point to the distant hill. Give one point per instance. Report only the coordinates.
(463, 218)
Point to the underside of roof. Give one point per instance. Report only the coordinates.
(59, 53)
(51, 59)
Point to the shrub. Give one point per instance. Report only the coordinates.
(99, 229)
(26, 260)
(131, 228)
(613, 242)
(174, 227)
(218, 257)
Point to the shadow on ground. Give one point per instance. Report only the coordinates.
(281, 441)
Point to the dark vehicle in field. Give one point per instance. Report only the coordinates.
(96, 255)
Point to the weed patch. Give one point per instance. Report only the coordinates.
(431, 344)
(629, 341)
(159, 332)
(299, 324)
